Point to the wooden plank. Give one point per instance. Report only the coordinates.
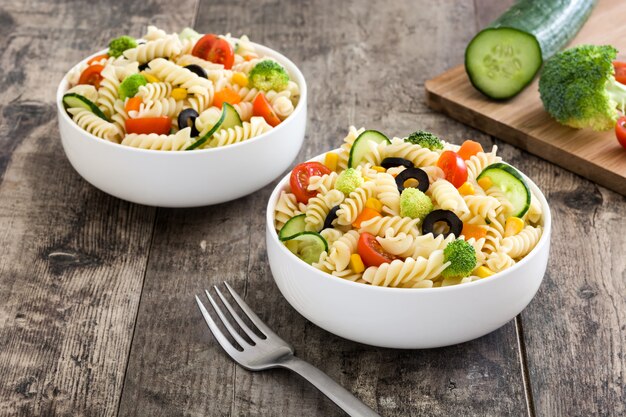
(523, 122)
(176, 368)
(72, 259)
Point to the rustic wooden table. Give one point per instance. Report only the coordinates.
(97, 316)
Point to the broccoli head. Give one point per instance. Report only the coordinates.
(349, 180)
(425, 140)
(130, 85)
(118, 45)
(578, 87)
(414, 204)
(462, 258)
(268, 75)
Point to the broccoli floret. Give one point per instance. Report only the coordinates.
(268, 75)
(348, 181)
(425, 140)
(130, 85)
(414, 204)
(118, 45)
(578, 87)
(462, 257)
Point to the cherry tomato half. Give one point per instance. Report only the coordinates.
(262, 107)
(620, 131)
(214, 49)
(299, 179)
(371, 252)
(91, 75)
(160, 125)
(453, 167)
(620, 71)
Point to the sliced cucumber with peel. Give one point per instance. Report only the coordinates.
(294, 226)
(229, 118)
(361, 146)
(307, 246)
(76, 100)
(512, 184)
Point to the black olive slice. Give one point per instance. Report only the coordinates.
(396, 162)
(143, 67)
(330, 218)
(187, 118)
(413, 173)
(196, 69)
(452, 220)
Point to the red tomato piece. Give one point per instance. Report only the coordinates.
(262, 107)
(371, 252)
(620, 131)
(620, 71)
(91, 75)
(214, 49)
(98, 58)
(299, 179)
(160, 125)
(468, 149)
(453, 167)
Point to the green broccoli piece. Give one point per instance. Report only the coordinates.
(425, 140)
(414, 204)
(130, 85)
(348, 181)
(578, 87)
(268, 75)
(462, 257)
(118, 45)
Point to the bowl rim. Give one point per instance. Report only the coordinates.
(292, 69)
(498, 276)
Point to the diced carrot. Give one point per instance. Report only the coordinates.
(468, 149)
(365, 215)
(473, 231)
(133, 103)
(225, 95)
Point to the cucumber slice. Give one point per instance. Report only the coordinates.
(76, 100)
(294, 226)
(310, 246)
(228, 119)
(512, 184)
(360, 147)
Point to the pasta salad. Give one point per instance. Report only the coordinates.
(413, 212)
(182, 91)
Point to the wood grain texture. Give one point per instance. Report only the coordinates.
(523, 122)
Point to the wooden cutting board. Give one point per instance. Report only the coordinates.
(523, 122)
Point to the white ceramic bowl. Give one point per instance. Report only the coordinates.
(186, 178)
(401, 317)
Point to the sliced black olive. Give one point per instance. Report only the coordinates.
(143, 67)
(187, 118)
(196, 69)
(413, 173)
(330, 218)
(396, 162)
(452, 220)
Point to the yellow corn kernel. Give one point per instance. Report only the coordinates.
(466, 189)
(374, 204)
(366, 178)
(179, 94)
(292, 245)
(485, 183)
(149, 77)
(513, 226)
(240, 78)
(356, 264)
(483, 272)
(379, 168)
(330, 160)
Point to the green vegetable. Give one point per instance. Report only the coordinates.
(118, 45)
(425, 140)
(361, 146)
(415, 204)
(130, 85)
(348, 181)
(189, 33)
(268, 75)
(307, 246)
(578, 87)
(503, 59)
(292, 227)
(462, 257)
(512, 184)
(76, 100)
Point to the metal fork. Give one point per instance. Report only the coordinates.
(271, 351)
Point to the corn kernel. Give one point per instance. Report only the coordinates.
(179, 94)
(485, 183)
(366, 178)
(356, 263)
(149, 77)
(330, 160)
(292, 245)
(483, 272)
(466, 189)
(513, 226)
(379, 168)
(374, 204)
(240, 79)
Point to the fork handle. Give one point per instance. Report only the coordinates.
(338, 394)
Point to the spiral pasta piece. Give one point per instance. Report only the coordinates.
(108, 90)
(120, 115)
(166, 47)
(245, 110)
(534, 213)
(246, 94)
(447, 197)
(388, 194)
(522, 243)
(255, 127)
(163, 107)
(482, 206)
(154, 91)
(286, 208)
(407, 273)
(94, 125)
(476, 163)
(414, 153)
(354, 204)
(378, 226)
(280, 102)
(323, 183)
(342, 249)
(331, 235)
(188, 59)
(318, 208)
(156, 142)
(344, 151)
(499, 261)
(153, 33)
(85, 90)
(207, 119)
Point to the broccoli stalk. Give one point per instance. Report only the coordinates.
(578, 87)
(268, 75)
(462, 257)
(425, 140)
